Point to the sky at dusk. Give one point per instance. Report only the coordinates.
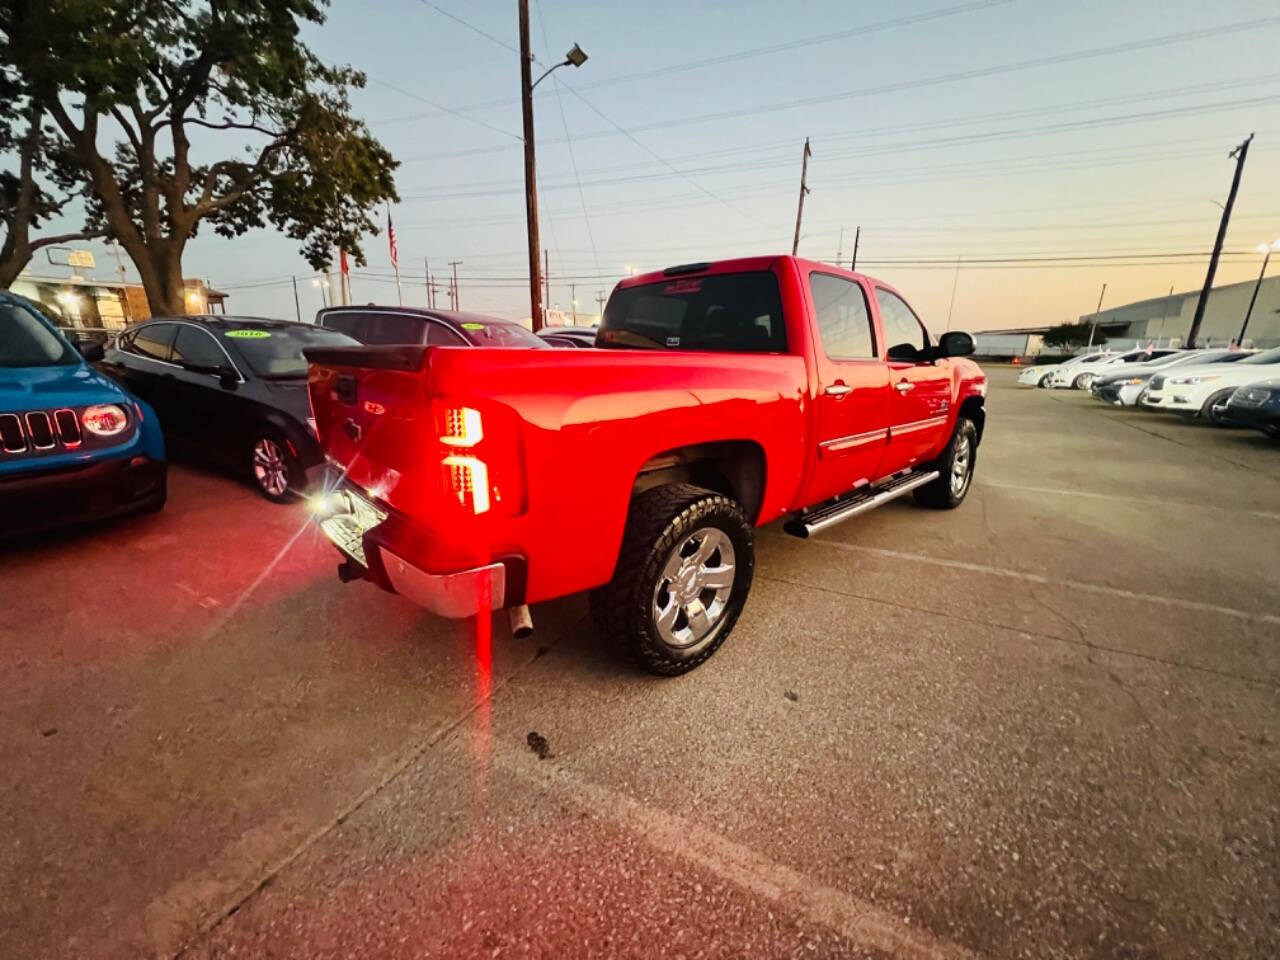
(950, 131)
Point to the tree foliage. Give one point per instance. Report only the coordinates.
(140, 89)
(1066, 335)
(34, 158)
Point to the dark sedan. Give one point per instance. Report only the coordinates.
(1257, 405)
(384, 326)
(230, 391)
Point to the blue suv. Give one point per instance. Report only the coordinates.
(74, 445)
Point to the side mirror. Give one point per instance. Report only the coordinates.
(92, 352)
(956, 343)
(228, 379)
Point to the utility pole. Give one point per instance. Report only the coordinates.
(1093, 329)
(856, 237)
(804, 173)
(840, 247)
(954, 283)
(530, 169)
(432, 290)
(546, 278)
(457, 298)
(297, 306)
(1254, 299)
(426, 279)
(1239, 154)
(573, 302)
(600, 302)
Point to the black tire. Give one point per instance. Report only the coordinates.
(1044, 381)
(662, 522)
(1209, 412)
(1079, 382)
(942, 494)
(268, 446)
(156, 503)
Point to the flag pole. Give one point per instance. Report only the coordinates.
(395, 255)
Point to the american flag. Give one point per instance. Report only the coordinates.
(391, 239)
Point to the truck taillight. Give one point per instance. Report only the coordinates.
(468, 478)
(480, 457)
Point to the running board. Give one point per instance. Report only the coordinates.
(809, 522)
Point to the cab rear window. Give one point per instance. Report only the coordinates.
(730, 312)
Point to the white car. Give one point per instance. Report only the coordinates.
(1041, 374)
(1202, 390)
(1080, 376)
(1124, 387)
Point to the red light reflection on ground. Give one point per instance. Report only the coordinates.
(482, 736)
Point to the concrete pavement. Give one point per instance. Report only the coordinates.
(1045, 724)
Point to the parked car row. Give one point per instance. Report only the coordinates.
(74, 444)
(1224, 387)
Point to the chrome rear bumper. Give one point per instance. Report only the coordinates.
(461, 594)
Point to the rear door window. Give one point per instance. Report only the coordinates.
(732, 312)
(354, 325)
(901, 326)
(153, 340)
(386, 329)
(844, 322)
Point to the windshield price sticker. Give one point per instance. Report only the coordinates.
(683, 286)
(248, 334)
(473, 326)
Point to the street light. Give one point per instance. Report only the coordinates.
(574, 58)
(1265, 249)
(323, 284)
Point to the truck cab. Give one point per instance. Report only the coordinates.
(721, 397)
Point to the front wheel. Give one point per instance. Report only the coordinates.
(684, 571)
(955, 470)
(1046, 381)
(1082, 381)
(1215, 409)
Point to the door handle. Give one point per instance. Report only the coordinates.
(838, 390)
(904, 386)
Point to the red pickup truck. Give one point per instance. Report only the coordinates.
(723, 396)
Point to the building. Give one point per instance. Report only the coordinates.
(1162, 321)
(107, 304)
(1168, 319)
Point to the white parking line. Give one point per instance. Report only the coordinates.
(1053, 582)
(1120, 498)
(857, 920)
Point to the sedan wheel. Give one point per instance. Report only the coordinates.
(271, 468)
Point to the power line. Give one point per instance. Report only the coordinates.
(710, 61)
(449, 110)
(470, 26)
(586, 219)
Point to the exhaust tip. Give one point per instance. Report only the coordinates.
(521, 622)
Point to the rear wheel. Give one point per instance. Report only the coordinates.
(1045, 380)
(955, 470)
(275, 470)
(1082, 381)
(1271, 430)
(1215, 408)
(683, 575)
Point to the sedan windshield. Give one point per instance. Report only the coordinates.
(28, 341)
(274, 351)
(499, 333)
(1267, 356)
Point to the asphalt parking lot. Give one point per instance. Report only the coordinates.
(1045, 724)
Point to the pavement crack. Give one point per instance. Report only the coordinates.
(397, 769)
(1081, 641)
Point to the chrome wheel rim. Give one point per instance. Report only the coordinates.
(269, 467)
(960, 462)
(692, 594)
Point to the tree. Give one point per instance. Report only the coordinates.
(1066, 335)
(136, 87)
(27, 199)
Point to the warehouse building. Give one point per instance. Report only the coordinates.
(1169, 318)
(1162, 321)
